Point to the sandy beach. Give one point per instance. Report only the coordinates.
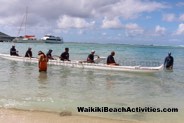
(20, 116)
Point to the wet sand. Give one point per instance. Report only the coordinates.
(20, 116)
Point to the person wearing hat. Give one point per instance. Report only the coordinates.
(49, 54)
(28, 53)
(90, 58)
(13, 51)
(42, 62)
(110, 59)
(168, 63)
(65, 55)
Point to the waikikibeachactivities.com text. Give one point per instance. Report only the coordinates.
(125, 109)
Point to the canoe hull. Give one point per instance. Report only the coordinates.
(78, 64)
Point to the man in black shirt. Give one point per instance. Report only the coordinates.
(110, 59)
(28, 53)
(65, 55)
(13, 51)
(49, 55)
(90, 58)
(168, 63)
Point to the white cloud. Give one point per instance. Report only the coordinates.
(82, 8)
(130, 8)
(132, 29)
(10, 20)
(111, 23)
(181, 18)
(73, 22)
(169, 17)
(172, 17)
(80, 32)
(104, 33)
(180, 30)
(148, 17)
(160, 30)
(119, 34)
(180, 4)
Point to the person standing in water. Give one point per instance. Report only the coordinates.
(169, 61)
(42, 62)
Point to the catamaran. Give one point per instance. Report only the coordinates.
(52, 39)
(27, 39)
(84, 65)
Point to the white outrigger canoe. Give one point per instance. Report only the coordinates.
(79, 64)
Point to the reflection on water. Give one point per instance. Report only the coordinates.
(13, 66)
(42, 78)
(43, 85)
(90, 77)
(109, 80)
(65, 72)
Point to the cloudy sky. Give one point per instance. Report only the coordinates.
(101, 21)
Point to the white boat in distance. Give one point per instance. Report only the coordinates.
(52, 39)
(33, 39)
(79, 64)
(27, 39)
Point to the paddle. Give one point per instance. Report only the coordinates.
(99, 59)
(56, 57)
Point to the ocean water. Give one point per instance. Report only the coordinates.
(65, 89)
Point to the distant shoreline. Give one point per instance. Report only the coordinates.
(131, 45)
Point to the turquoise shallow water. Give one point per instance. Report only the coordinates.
(64, 89)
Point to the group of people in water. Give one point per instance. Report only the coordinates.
(43, 59)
